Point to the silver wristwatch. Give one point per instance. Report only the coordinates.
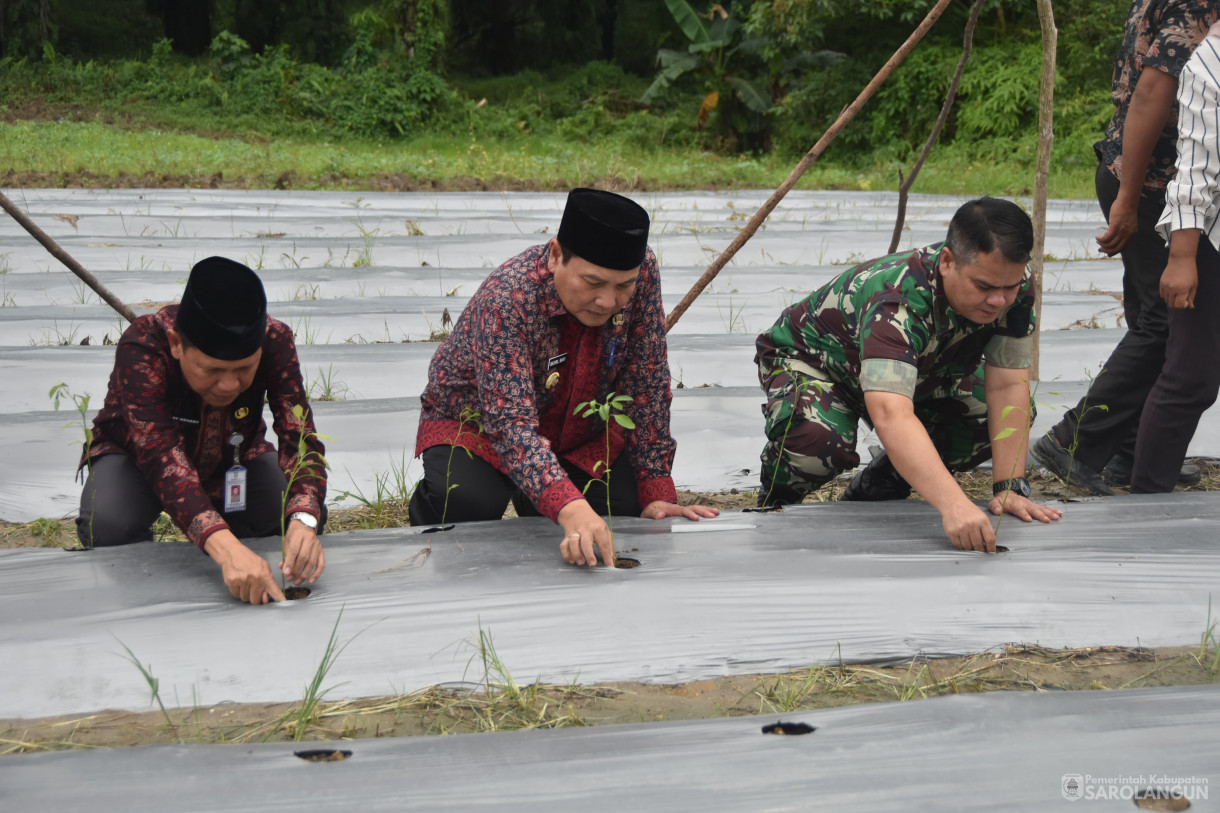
(305, 519)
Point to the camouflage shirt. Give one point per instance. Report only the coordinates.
(1160, 35)
(887, 325)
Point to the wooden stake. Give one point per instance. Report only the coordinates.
(846, 116)
(1046, 139)
(904, 184)
(58, 253)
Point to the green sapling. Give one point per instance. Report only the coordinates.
(610, 408)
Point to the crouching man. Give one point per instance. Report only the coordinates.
(182, 431)
(570, 321)
(898, 341)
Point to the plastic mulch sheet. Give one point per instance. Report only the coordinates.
(741, 594)
(992, 752)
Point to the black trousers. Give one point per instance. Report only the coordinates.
(478, 492)
(118, 506)
(1187, 385)
(1135, 364)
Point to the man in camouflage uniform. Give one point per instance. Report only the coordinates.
(898, 341)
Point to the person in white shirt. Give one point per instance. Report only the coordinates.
(1190, 285)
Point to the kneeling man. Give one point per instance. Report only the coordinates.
(898, 341)
(182, 431)
(573, 320)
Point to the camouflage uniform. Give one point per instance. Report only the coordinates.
(884, 325)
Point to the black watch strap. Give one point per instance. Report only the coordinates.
(1018, 485)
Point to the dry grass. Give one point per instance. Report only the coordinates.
(496, 701)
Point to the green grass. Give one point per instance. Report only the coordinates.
(68, 148)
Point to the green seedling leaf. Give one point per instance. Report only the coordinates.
(1005, 433)
(1006, 411)
(624, 421)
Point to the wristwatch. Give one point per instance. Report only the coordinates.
(1017, 485)
(312, 524)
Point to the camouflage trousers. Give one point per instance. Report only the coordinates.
(811, 428)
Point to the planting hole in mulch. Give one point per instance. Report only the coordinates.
(789, 729)
(1001, 549)
(323, 755)
(625, 562)
(437, 529)
(767, 510)
(296, 593)
(1160, 799)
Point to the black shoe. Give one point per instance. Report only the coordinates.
(1061, 463)
(879, 480)
(1118, 472)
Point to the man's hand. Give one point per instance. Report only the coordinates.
(583, 531)
(658, 509)
(967, 527)
(1123, 226)
(303, 556)
(1180, 280)
(1022, 508)
(246, 574)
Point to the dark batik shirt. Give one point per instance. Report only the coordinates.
(511, 337)
(886, 325)
(1160, 35)
(180, 444)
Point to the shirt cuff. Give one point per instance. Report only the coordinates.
(557, 495)
(204, 525)
(1177, 218)
(888, 375)
(1009, 352)
(652, 489)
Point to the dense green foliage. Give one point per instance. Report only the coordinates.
(763, 77)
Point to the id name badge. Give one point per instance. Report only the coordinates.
(235, 489)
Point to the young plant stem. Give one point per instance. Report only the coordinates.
(610, 408)
(61, 391)
(154, 686)
(803, 384)
(1017, 459)
(303, 467)
(475, 419)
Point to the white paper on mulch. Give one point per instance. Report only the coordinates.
(740, 594)
(1001, 751)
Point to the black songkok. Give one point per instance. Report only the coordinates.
(223, 310)
(605, 229)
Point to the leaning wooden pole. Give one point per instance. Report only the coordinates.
(765, 210)
(64, 257)
(1046, 139)
(905, 184)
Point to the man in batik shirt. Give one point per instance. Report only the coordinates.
(573, 320)
(182, 431)
(1094, 448)
(898, 341)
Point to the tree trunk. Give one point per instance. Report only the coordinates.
(1046, 138)
(904, 184)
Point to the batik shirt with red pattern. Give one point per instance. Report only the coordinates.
(512, 336)
(181, 445)
(1160, 35)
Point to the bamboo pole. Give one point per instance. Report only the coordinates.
(1046, 139)
(64, 257)
(905, 184)
(816, 152)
